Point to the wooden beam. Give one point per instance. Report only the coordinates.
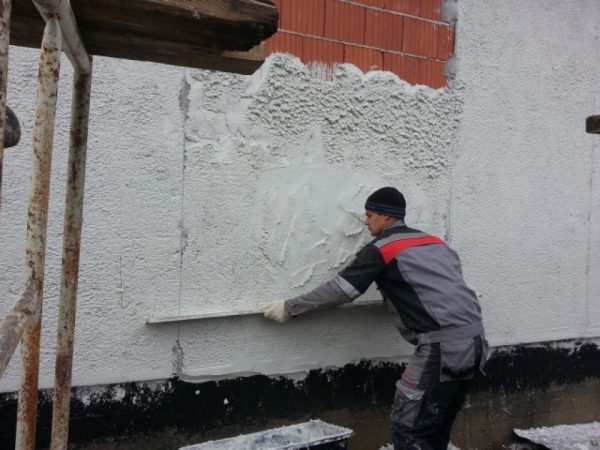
(209, 34)
(183, 55)
(242, 11)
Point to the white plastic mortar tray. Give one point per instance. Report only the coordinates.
(292, 437)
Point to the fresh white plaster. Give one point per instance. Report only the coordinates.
(209, 192)
(278, 166)
(277, 169)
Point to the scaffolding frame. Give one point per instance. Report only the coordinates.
(22, 324)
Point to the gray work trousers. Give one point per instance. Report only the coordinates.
(424, 407)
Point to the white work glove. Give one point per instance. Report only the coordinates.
(276, 311)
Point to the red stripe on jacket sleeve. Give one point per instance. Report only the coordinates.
(391, 250)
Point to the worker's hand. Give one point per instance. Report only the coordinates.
(276, 311)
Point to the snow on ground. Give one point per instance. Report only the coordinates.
(565, 437)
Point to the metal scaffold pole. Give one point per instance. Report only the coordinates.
(71, 249)
(5, 8)
(37, 221)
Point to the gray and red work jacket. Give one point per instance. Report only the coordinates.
(421, 281)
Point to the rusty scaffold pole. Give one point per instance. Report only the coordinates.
(37, 221)
(73, 217)
(71, 249)
(23, 322)
(5, 6)
(60, 26)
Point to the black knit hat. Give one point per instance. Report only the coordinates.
(388, 201)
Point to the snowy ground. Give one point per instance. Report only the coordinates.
(565, 437)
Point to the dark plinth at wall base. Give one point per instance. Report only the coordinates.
(238, 404)
(525, 386)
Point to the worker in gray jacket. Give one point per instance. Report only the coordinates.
(421, 281)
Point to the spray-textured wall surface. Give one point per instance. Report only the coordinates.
(524, 208)
(131, 214)
(214, 193)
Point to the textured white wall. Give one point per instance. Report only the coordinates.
(211, 192)
(524, 209)
(131, 215)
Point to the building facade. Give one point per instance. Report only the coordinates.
(209, 195)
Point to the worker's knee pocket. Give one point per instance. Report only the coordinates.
(457, 360)
(405, 408)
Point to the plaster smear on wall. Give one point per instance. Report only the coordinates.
(277, 169)
(321, 227)
(279, 164)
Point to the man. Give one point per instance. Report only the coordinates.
(421, 282)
